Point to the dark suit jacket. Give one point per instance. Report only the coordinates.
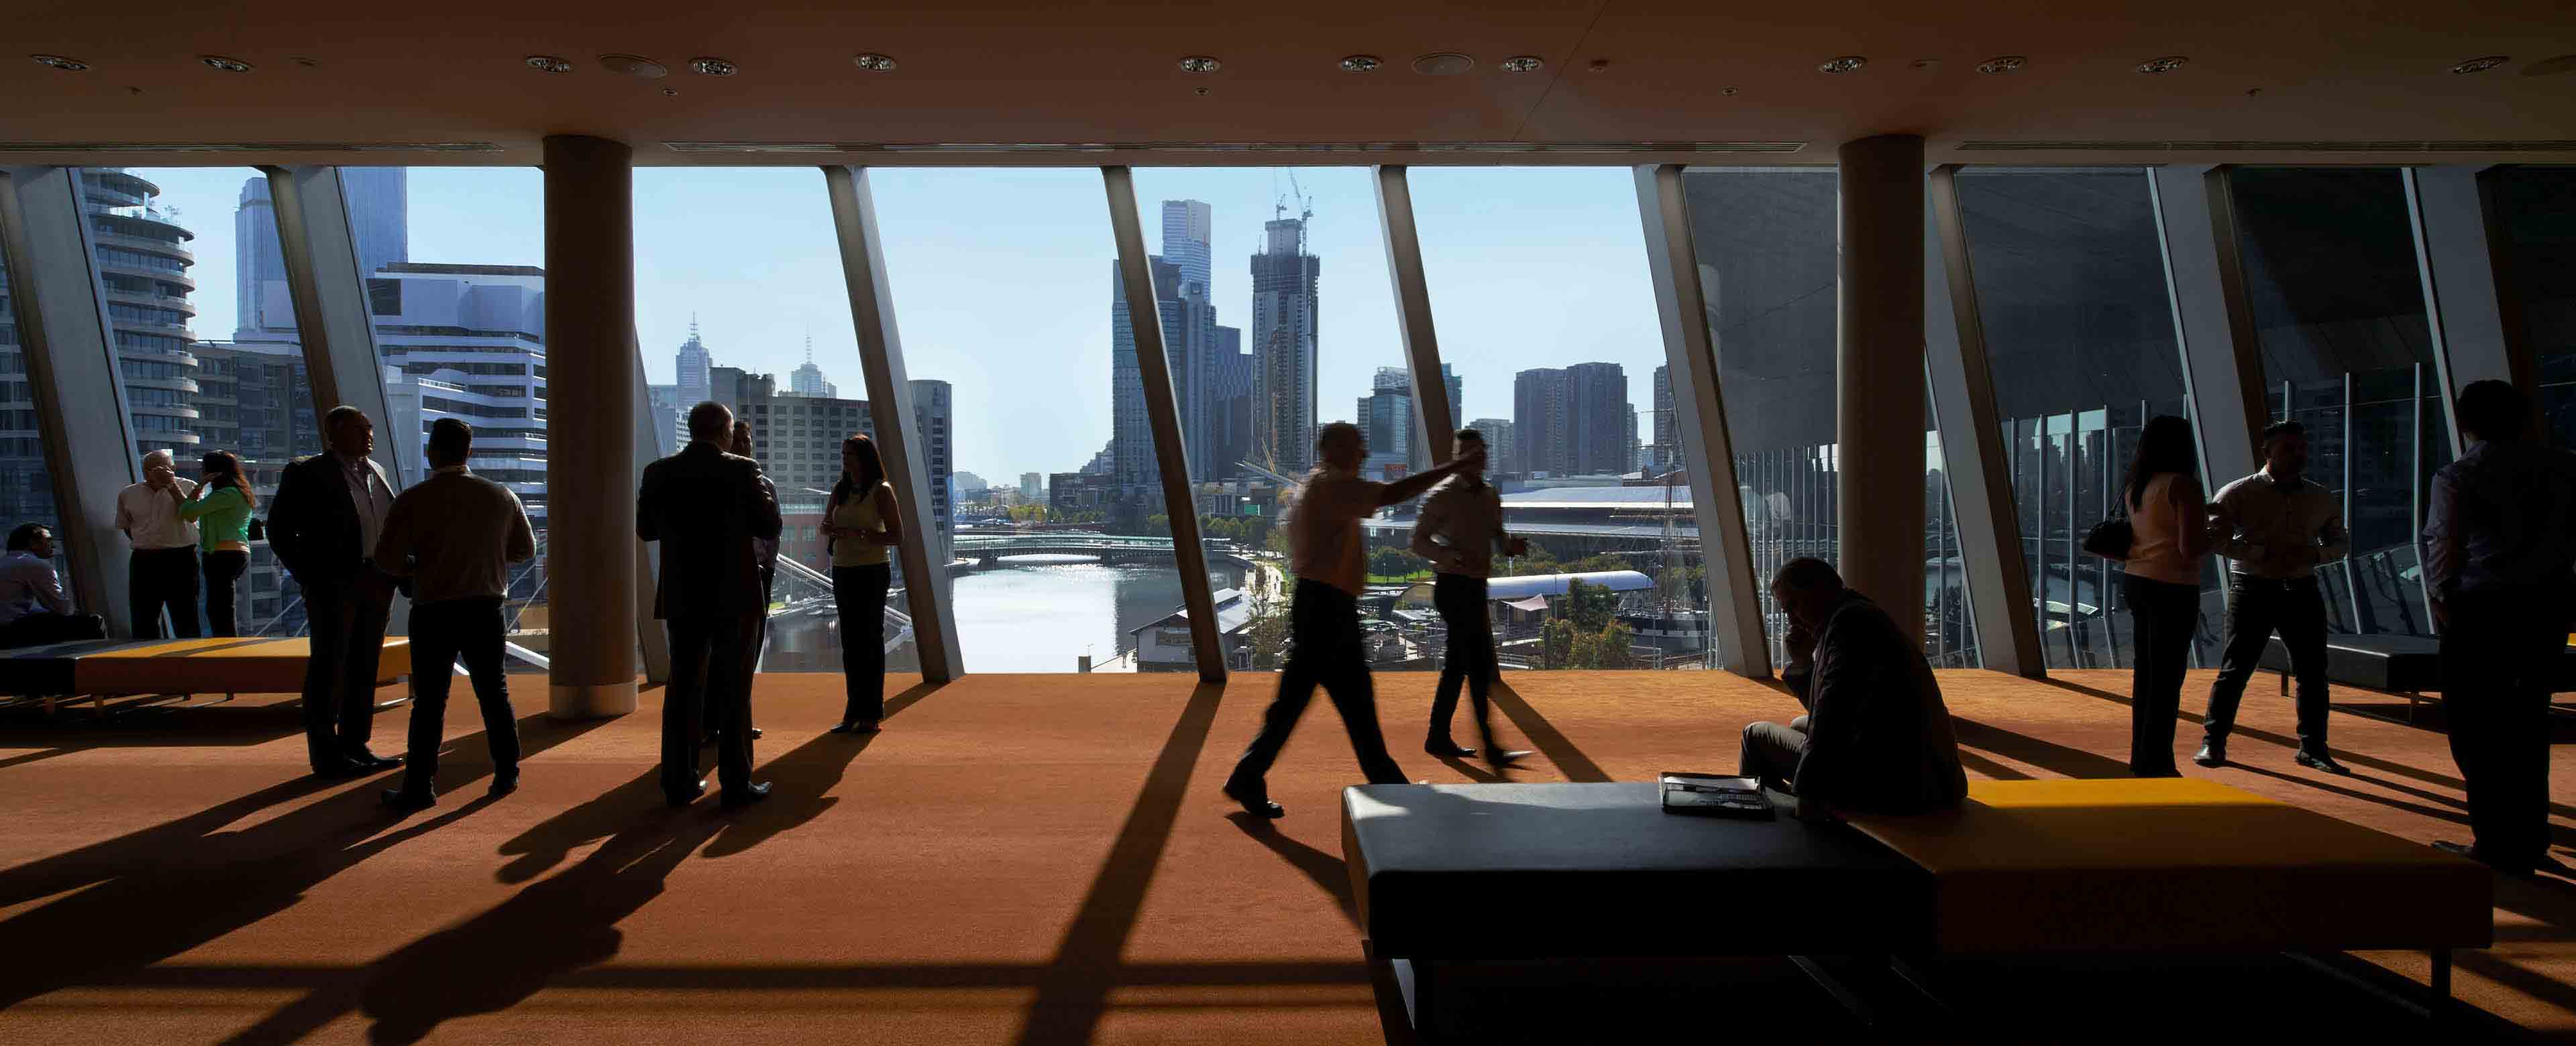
(312, 523)
(1879, 737)
(706, 507)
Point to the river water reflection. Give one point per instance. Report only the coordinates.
(1040, 614)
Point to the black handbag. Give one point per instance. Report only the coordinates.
(258, 530)
(2111, 539)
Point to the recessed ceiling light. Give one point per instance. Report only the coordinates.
(1199, 63)
(1523, 63)
(1443, 63)
(2000, 64)
(1599, 65)
(2480, 65)
(549, 63)
(636, 66)
(68, 65)
(229, 65)
(670, 92)
(1361, 63)
(1850, 63)
(2165, 64)
(1727, 91)
(713, 67)
(873, 62)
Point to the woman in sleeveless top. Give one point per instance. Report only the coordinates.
(859, 525)
(2162, 585)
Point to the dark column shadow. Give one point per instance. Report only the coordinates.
(1073, 993)
(1327, 870)
(1551, 743)
(184, 889)
(800, 779)
(1998, 771)
(2073, 762)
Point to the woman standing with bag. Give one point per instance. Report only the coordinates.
(859, 525)
(2169, 516)
(221, 510)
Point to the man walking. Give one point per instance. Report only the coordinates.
(2500, 563)
(455, 535)
(2275, 527)
(161, 571)
(708, 506)
(1329, 557)
(322, 525)
(1460, 526)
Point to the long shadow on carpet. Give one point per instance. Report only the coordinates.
(1551, 742)
(1325, 870)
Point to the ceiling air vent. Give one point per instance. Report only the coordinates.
(2178, 146)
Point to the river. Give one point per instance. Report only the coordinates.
(1038, 614)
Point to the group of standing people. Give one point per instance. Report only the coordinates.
(177, 531)
(2499, 554)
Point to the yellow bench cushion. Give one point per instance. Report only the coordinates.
(200, 666)
(2178, 863)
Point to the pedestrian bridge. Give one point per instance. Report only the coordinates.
(983, 552)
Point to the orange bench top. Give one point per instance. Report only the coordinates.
(232, 665)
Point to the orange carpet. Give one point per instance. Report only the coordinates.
(1034, 859)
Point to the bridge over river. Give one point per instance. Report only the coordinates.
(971, 551)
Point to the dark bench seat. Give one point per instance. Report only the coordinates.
(113, 667)
(2409, 666)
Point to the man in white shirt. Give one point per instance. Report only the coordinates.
(161, 571)
(2275, 527)
(1330, 558)
(1458, 529)
(33, 609)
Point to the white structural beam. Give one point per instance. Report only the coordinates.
(926, 588)
(1434, 417)
(1699, 411)
(331, 315)
(70, 351)
(1972, 454)
(651, 641)
(2222, 358)
(1163, 417)
(2459, 257)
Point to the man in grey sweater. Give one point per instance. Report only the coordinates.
(2275, 527)
(455, 535)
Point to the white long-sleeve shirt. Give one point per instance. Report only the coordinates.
(1458, 528)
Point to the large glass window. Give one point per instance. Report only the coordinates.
(2080, 338)
(2539, 209)
(26, 482)
(2330, 275)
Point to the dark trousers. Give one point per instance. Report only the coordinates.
(1470, 658)
(2164, 615)
(1771, 753)
(347, 641)
(1324, 625)
(751, 655)
(860, 595)
(706, 686)
(158, 579)
(2499, 653)
(2256, 608)
(442, 633)
(223, 580)
(40, 628)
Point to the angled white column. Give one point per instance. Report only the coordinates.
(1972, 455)
(925, 574)
(2460, 256)
(653, 644)
(330, 295)
(1432, 411)
(1735, 610)
(2222, 359)
(1163, 416)
(70, 349)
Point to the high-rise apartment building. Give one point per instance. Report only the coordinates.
(663, 403)
(1538, 421)
(1385, 419)
(1573, 421)
(379, 204)
(1501, 457)
(467, 342)
(798, 438)
(1032, 487)
(1189, 228)
(1285, 280)
(1210, 375)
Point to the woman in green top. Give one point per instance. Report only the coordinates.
(221, 510)
(862, 524)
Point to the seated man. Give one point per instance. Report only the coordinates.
(1876, 737)
(33, 610)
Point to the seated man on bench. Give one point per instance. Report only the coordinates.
(1876, 737)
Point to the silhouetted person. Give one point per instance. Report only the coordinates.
(161, 571)
(1330, 558)
(221, 510)
(33, 609)
(323, 525)
(706, 506)
(1876, 737)
(861, 523)
(2170, 518)
(767, 548)
(1458, 530)
(455, 535)
(2500, 564)
(2275, 527)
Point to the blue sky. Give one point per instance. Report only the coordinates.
(1002, 276)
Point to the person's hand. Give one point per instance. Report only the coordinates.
(1802, 646)
(161, 477)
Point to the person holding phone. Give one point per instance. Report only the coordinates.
(161, 571)
(1877, 736)
(862, 522)
(221, 510)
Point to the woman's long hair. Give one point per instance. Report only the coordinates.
(223, 469)
(2165, 445)
(871, 470)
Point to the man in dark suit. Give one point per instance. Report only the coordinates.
(322, 524)
(708, 507)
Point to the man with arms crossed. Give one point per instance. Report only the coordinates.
(1458, 529)
(1329, 557)
(455, 535)
(2275, 527)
